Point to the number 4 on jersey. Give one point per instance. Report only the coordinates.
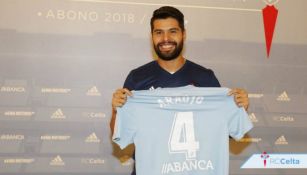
(182, 137)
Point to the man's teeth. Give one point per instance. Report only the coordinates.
(166, 46)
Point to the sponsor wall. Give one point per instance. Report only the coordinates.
(60, 62)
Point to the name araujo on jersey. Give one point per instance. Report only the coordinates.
(188, 165)
(164, 102)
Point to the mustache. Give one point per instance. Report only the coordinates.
(168, 42)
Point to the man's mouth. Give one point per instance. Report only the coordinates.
(165, 47)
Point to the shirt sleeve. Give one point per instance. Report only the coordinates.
(125, 127)
(239, 123)
(129, 83)
(214, 81)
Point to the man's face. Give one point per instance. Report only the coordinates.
(167, 38)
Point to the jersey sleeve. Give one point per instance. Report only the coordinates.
(125, 128)
(239, 123)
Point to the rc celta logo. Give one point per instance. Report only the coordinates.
(274, 161)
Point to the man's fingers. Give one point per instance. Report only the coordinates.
(240, 97)
(122, 93)
(121, 101)
(237, 91)
(126, 91)
(242, 105)
(240, 101)
(118, 103)
(120, 97)
(233, 92)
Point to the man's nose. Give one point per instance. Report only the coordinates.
(165, 36)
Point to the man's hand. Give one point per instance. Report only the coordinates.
(120, 97)
(240, 97)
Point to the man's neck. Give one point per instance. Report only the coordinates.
(172, 65)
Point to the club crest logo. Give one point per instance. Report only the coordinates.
(264, 157)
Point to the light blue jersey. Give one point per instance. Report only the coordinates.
(181, 131)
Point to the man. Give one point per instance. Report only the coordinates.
(170, 69)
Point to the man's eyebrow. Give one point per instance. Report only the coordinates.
(174, 28)
(157, 30)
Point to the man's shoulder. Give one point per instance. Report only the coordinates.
(202, 77)
(197, 67)
(145, 68)
(138, 78)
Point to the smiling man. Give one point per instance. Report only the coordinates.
(171, 69)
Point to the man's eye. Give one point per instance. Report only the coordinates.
(173, 31)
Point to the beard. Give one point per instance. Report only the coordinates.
(167, 56)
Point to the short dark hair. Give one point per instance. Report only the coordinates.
(167, 12)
